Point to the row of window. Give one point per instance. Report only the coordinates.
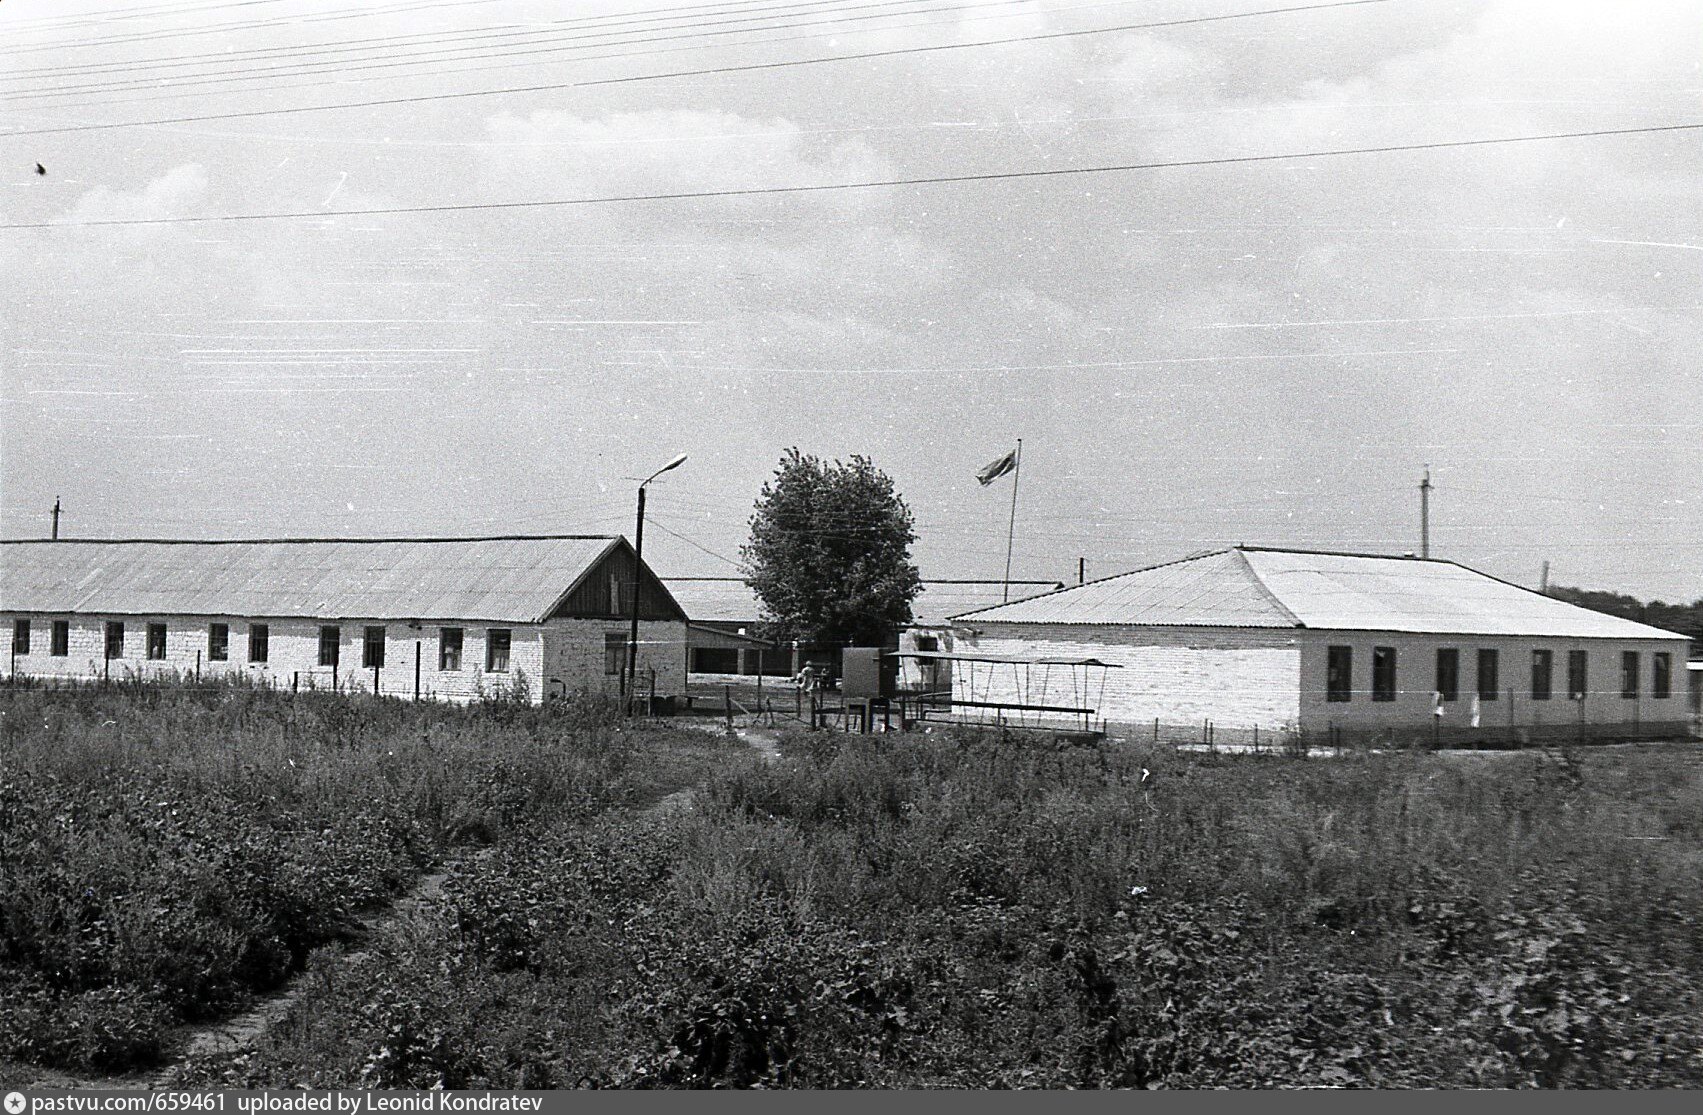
(1339, 674)
(497, 643)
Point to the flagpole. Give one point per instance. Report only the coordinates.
(1011, 528)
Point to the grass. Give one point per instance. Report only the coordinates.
(960, 910)
(166, 852)
(943, 909)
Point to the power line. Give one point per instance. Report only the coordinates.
(361, 11)
(340, 81)
(1053, 35)
(936, 180)
(400, 58)
(423, 38)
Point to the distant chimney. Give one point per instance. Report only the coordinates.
(56, 518)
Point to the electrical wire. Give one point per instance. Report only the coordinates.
(423, 38)
(576, 42)
(1053, 35)
(934, 180)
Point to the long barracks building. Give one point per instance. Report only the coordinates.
(447, 618)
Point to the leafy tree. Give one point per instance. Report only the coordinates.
(830, 552)
(1682, 619)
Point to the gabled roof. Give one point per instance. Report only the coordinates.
(731, 600)
(513, 579)
(1260, 587)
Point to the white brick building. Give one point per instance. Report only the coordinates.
(1347, 646)
(434, 618)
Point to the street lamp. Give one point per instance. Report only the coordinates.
(630, 677)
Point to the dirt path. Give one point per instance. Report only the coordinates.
(241, 1032)
(233, 1035)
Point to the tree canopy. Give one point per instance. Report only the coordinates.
(1682, 619)
(830, 552)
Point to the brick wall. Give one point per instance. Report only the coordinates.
(1239, 679)
(1514, 713)
(575, 658)
(292, 654)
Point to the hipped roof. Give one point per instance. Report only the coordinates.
(1260, 587)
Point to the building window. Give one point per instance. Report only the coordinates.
(114, 639)
(157, 641)
(1448, 673)
(330, 645)
(1339, 673)
(61, 644)
(1489, 665)
(372, 649)
(20, 636)
(1576, 675)
(1383, 673)
(928, 643)
(259, 642)
(1661, 674)
(218, 642)
(1543, 673)
(614, 652)
(497, 650)
(1629, 674)
(449, 649)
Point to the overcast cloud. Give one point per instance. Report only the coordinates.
(1263, 352)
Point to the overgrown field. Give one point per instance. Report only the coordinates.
(166, 852)
(923, 910)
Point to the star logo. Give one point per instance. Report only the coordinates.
(14, 1103)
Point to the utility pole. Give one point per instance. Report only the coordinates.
(56, 518)
(1425, 514)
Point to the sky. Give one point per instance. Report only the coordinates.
(1267, 352)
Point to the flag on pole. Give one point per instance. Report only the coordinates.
(998, 468)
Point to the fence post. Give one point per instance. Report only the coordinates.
(375, 680)
(727, 697)
(416, 670)
(197, 667)
(295, 680)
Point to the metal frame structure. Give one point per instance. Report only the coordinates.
(1036, 706)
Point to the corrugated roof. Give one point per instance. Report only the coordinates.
(1215, 590)
(1256, 587)
(714, 599)
(511, 579)
(1357, 592)
(731, 600)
